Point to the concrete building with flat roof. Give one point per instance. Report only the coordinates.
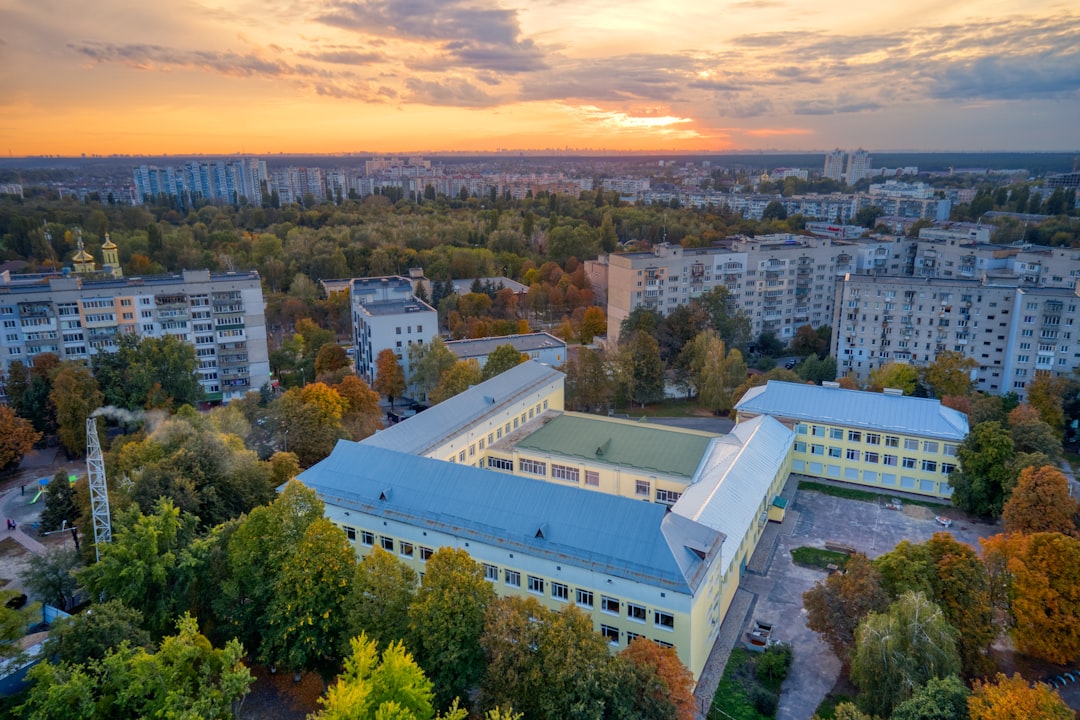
(387, 315)
(540, 346)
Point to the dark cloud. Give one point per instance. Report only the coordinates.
(658, 77)
(469, 36)
(1010, 78)
(830, 107)
(451, 92)
(226, 63)
(737, 106)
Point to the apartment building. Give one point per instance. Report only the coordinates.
(882, 440)
(666, 569)
(386, 314)
(780, 282)
(76, 318)
(910, 320)
(945, 254)
(1044, 336)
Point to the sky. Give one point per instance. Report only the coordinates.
(340, 76)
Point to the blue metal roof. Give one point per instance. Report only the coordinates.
(875, 411)
(604, 533)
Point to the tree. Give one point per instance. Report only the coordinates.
(50, 576)
(1040, 575)
(362, 415)
(901, 649)
(1016, 699)
(949, 374)
(1040, 502)
(304, 625)
(389, 375)
(148, 372)
(939, 699)
(383, 588)
(502, 359)
(894, 375)
(75, 395)
(331, 357)
(639, 369)
(17, 437)
(140, 567)
(313, 417)
(593, 323)
(640, 318)
(60, 504)
(186, 678)
(775, 210)
(1046, 394)
(458, 378)
(716, 373)
(983, 479)
(817, 370)
(588, 382)
(387, 687)
(960, 585)
(836, 605)
(807, 342)
(447, 619)
(660, 673)
(91, 635)
(1035, 437)
(427, 363)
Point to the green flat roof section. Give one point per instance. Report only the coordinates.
(644, 446)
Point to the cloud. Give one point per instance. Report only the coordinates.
(621, 122)
(1010, 78)
(833, 107)
(455, 92)
(145, 57)
(467, 35)
(777, 132)
(621, 78)
(344, 57)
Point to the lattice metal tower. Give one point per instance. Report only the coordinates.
(99, 491)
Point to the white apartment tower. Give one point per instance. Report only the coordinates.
(858, 166)
(386, 314)
(834, 165)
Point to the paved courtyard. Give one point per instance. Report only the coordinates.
(772, 587)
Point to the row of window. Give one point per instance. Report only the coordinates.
(497, 435)
(893, 441)
(875, 458)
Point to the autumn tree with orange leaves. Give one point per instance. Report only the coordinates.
(1040, 503)
(1016, 699)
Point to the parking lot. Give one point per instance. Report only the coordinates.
(812, 520)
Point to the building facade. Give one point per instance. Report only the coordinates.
(387, 315)
(540, 346)
(221, 315)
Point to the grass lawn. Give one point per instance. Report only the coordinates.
(742, 693)
(816, 557)
(864, 495)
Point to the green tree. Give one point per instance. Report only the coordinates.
(389, 375)
(75, 395)
(90, 636)
(427, 363)
(313, 417)
(593, 323)
(901, 649)
(983, 480)
(939, 699)
(949, 374)
(588, 382)
(304, 624)
(458, 378)
(186, 678)
(446, 621)
(715, 372)
(502, 359)
(383, 589)
(50, 576)
(17, 437)
(894, 375)
(835, 606)
(140, 567)
(817, 370)
(961, 588)
(723, 313)
(639, 371)
(807, 342)
(148, 372)
(60, 506)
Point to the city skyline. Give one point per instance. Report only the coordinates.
(422, 75)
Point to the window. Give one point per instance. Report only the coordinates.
(664, 620)
(564, 472)
(641, 488)
(929, 466)
(592, 478)
(533, 467)
(800, 428)
(609, 604)
(910, 444)
(610, 633)
(480, 443)
(406, 549)
(472, 449)
(817, 431)
(584, 598)
(397, 330)
(498, 463)
(834, 452)
(947, 468)
(491, 572)
(892, 441)
(387, 543)
(853, 455)
(870, 457)
(350, 533)
(426, 553)
(667, 496)
(536, 585)
(949, 450)
(800, 447)
(367, 538)
(461, 456)
(930, 447)
(631, 637)
(635, 612)
(890, 460)
(560, 591)
(854, 436)
(817, 449)
(513, 578)
(836, 434)
(909, 463)
(873, 439)
(661, 643)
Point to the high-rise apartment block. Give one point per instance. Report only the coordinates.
(858, 166)
(386, 314)
(227, 181)
(221, 315)
(834, 165)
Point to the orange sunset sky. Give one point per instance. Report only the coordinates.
(324, 76)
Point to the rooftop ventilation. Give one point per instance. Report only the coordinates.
(830, 384)
(541, 532)
(895, 392)
(604, 447)
(385, 494)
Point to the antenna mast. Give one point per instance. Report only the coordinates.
(99, 491)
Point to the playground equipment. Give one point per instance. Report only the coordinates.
(42, 482)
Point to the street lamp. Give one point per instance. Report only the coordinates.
(286, 439)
